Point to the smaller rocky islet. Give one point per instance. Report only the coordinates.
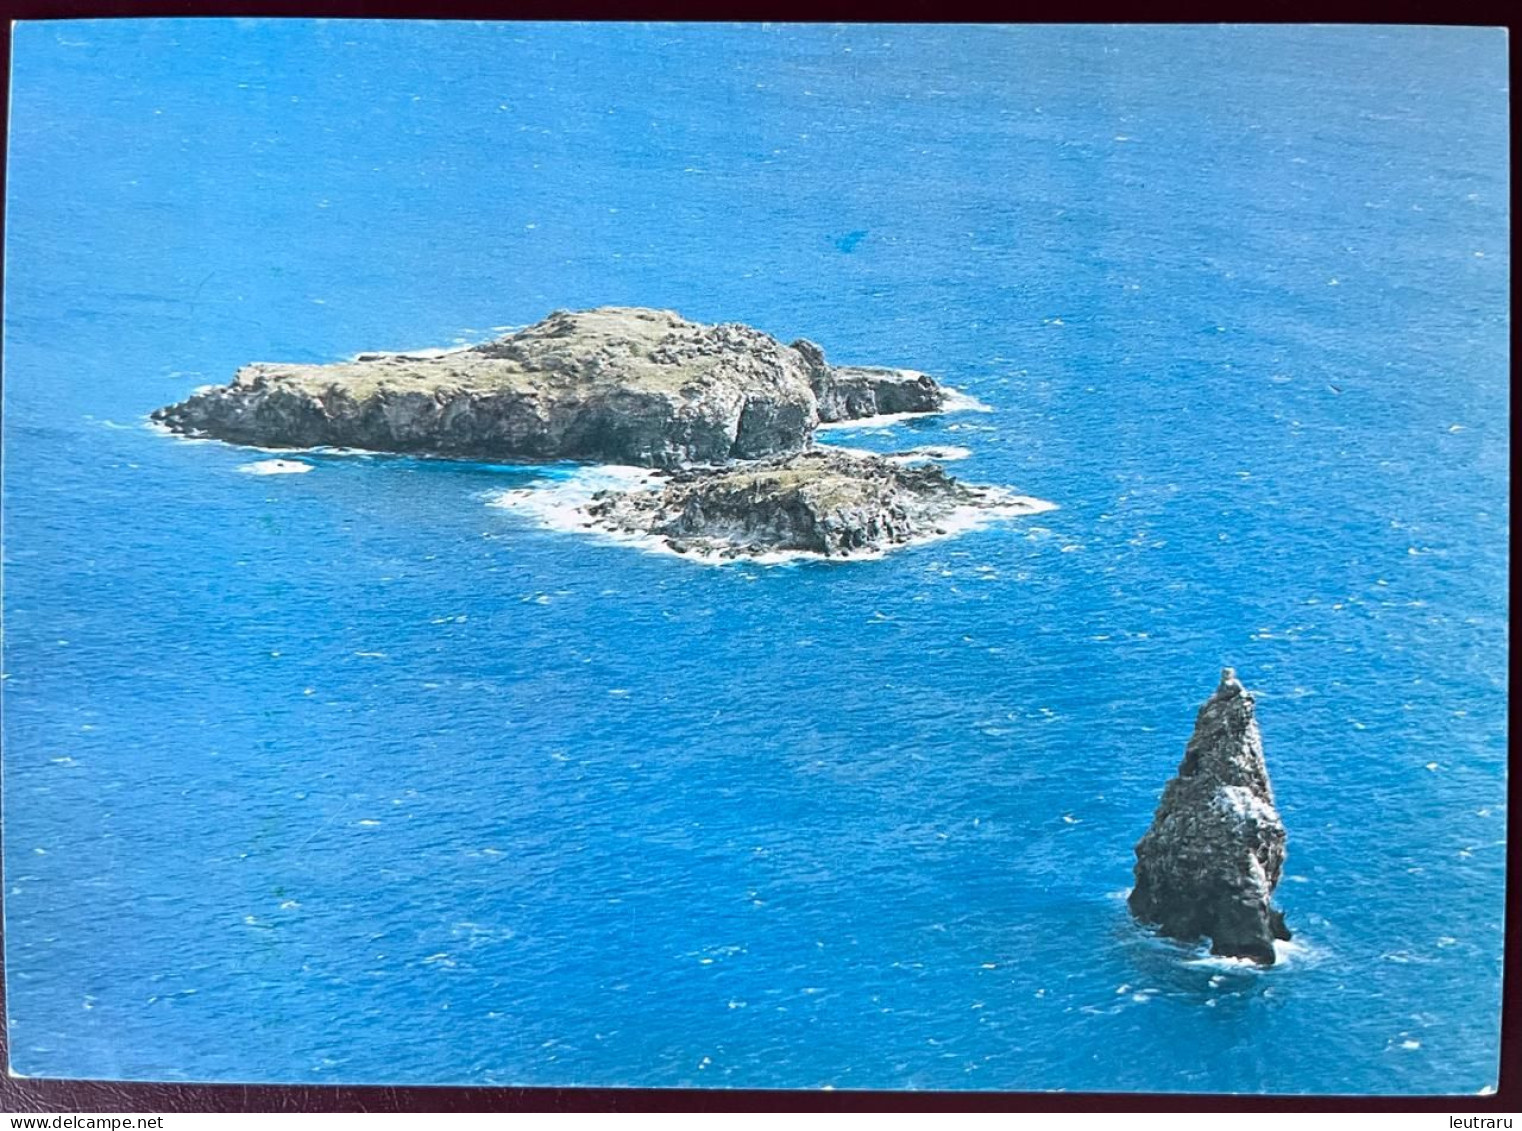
(823, 501)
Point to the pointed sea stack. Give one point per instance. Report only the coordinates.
(1210, 862)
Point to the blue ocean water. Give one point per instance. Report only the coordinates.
(351, 776)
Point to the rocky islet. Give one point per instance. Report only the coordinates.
(619, 385)
(1209, 864)
(823, 501)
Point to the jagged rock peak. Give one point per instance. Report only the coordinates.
(1209, 864)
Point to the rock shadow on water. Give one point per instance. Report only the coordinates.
(494, 476)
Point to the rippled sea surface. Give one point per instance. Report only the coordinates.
(352, 776)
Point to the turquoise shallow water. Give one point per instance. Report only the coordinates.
(351, 776)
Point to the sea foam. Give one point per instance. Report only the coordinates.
(412, 355)
(930, 453)
(276, 467)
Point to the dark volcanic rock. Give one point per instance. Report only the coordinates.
(618, 384)
(1210, 862)
(851, 392)
(822, 501)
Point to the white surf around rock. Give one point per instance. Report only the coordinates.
(929, 453)
(827, 504)
(276, 467)
(952, 401)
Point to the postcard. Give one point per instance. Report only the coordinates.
(865, 556)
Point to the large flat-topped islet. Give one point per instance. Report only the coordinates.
(624, 385)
